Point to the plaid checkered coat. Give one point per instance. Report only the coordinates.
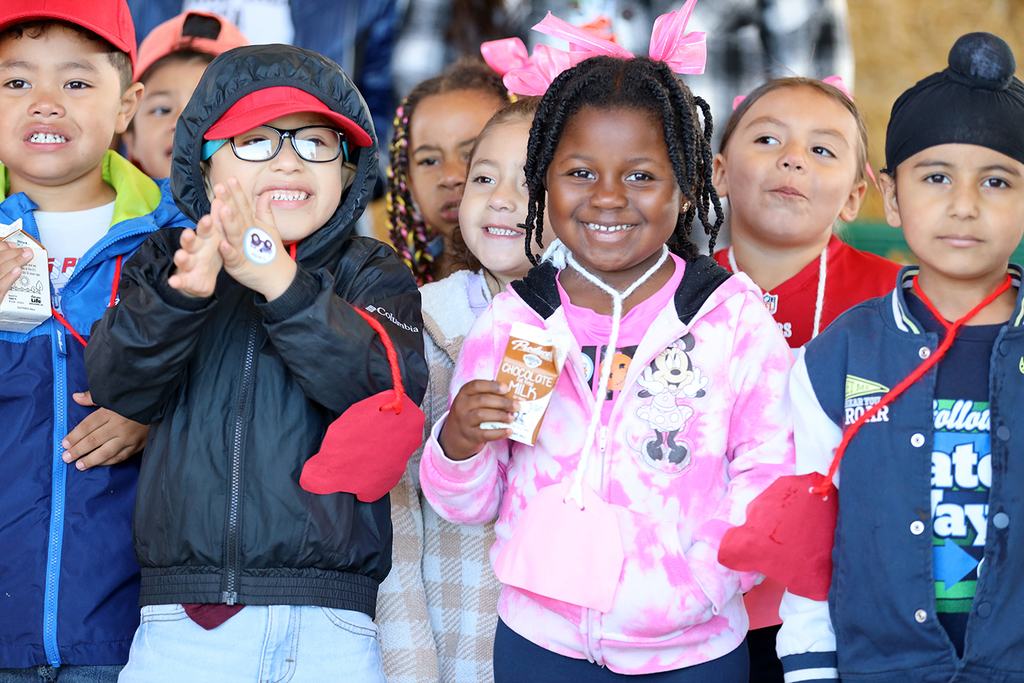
(437, 610)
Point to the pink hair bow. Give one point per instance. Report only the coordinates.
(523, 74)
(685, 53)
(505, 55)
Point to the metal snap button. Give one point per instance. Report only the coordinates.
(984, 610)
(920, 616)
(1001, 520)
(917, 440)
(917, 527)
(1003, 432)
(924, 352)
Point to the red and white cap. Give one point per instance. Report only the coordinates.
(169, 37)
(109, 19)
(263, 106)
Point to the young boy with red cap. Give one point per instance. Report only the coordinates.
(172, 58)
(240, 343)
(69, 582)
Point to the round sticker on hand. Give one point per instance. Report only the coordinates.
(259, 247)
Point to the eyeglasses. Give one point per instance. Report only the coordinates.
(318, 144)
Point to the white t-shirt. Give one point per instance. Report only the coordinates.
(67, 236)
(262, 21)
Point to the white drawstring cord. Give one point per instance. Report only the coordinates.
(576, 490)
(822, 274)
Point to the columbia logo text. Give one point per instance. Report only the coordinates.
(384, 313)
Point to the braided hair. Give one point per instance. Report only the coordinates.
(642, 84)
(410, 235)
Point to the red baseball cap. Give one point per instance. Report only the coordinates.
(263, 106)
(169, 37)
(109, 19)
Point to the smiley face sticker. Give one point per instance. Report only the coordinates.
(259, 247)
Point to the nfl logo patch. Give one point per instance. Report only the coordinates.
(771, 302)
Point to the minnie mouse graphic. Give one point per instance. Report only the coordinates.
(668, 381)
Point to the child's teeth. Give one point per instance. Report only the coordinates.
(47, 138)
(607, 228)
(504, 232)
(287, 196)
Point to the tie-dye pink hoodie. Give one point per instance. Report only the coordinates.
(674, 605)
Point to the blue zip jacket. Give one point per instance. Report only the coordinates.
(879, 624)
(69, 582)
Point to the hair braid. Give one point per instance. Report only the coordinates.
(641, 84)
(410, 235)
(548, 124)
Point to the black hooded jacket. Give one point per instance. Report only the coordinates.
(240, 391)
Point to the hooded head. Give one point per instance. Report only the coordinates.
(254, 85)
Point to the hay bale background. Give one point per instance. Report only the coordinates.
(899, 42)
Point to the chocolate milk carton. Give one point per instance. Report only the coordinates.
(530, 367)
(27, 304)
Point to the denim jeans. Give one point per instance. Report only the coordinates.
(280, 643)
(61, 674)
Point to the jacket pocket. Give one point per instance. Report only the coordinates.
(657, 597)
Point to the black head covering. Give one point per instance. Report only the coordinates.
(975, 101)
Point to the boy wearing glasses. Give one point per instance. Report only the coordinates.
(239, 344)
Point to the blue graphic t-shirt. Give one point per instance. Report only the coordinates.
(961, 469)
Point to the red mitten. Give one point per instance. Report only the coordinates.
(366, 450)
(368, 447)
(788, 536)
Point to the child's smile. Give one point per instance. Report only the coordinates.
(495, 200)
(60, 96)
(303, 194)
(613, 198)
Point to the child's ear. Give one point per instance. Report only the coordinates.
(684, 204)
(852, 205)
(718, 178)
(130, 101)
(348, 174)
(889, 201)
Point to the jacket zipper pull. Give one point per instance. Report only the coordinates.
(229, 598)
(602, 438)
(61, 342)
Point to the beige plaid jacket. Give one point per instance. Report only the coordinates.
(436, 611)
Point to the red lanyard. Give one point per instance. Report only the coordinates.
(951, 330)
(113, 293)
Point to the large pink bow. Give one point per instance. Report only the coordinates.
(685, 53)
(523, 74)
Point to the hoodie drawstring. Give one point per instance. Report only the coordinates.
(576, 490)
